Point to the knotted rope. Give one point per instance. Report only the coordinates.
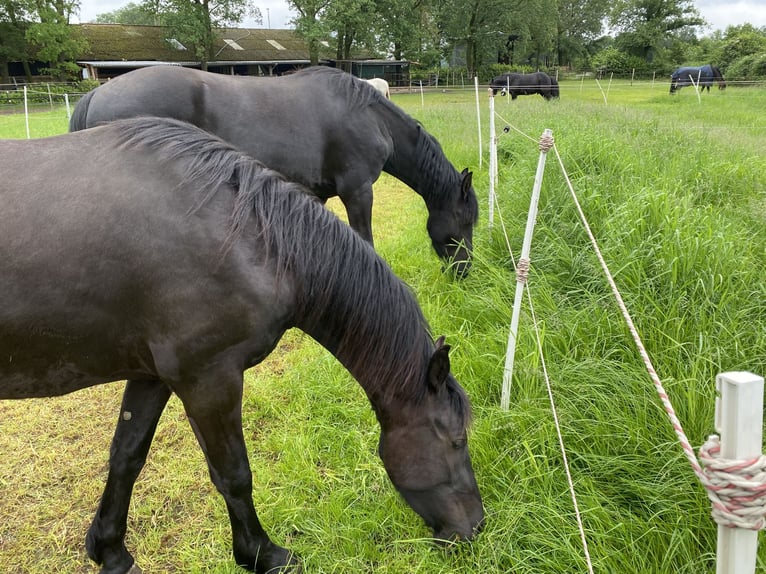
(546, 142)
(522, 270)
(739, 487)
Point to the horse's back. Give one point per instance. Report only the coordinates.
(109, 272)
(163, 91)
(302, 125)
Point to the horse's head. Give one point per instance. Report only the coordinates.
(499, 84)
(424, 449)
(673, 83)
(450, 225)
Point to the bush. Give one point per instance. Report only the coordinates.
(752, 67)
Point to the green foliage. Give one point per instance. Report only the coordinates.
(752, 67)
(132, 14)
(738, 43)
(614, 60)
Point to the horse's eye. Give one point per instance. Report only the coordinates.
(459, 444)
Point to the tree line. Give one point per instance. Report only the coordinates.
(477, 36)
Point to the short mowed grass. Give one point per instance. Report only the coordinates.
(674, 191)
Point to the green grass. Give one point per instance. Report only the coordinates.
(674, 191)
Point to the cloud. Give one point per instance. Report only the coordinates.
(721, 15)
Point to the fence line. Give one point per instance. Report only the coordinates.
(736, 487)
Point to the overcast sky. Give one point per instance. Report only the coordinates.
(276, 14)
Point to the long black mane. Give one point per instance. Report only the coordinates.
(377, 327)
(358, 93)
(436, 175)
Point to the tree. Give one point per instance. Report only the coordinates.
(193, 22)
(56, 41)
(482, 26)
(580, 22)
(310, 25)
(351, 22)
(13, 46)
(132, 14)
(645, 25)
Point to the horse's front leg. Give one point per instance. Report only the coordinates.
(214, 408)
(142, 405)
(358, 204)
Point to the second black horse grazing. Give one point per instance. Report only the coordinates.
(173, 260)
(525, 84)
(320, 127)
(700, 76)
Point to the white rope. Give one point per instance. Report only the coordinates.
(736, 489)
(546, 142)
(564, 457)
(729, 485)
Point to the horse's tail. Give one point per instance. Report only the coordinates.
(718, 77)
(78, 121)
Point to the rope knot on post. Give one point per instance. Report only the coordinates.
(546, 142)
(737, 488)
(522, 270)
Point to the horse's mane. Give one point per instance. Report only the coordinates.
(359, 93)
(437, 176)
(342, 284)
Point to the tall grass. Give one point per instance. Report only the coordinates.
(673, 190)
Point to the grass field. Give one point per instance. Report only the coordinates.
(675, 191)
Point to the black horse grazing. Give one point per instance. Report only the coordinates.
(525, 85)
(320, 127)
(701, 76)
(173, 260)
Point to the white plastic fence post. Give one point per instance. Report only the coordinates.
(492, 159)
(478, 114)
(26, 112)
(68, 109)
(739, 421)
(505, 398)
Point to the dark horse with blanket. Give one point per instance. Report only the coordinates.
(320, 127)
(173, 260)
(701, 76)
(525, 85)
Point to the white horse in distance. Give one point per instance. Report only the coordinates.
(381, 85)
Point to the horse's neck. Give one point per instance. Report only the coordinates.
(373, 326)
(418, 162)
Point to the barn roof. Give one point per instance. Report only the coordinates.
(121, 43)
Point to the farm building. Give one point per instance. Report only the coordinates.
(116, 49)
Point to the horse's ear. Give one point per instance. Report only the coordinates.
(438, 368)
(465, 185)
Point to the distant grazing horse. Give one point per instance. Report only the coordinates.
(320, 127)
(525, 85)
(702, 76)
(173, 260)
(381, 85)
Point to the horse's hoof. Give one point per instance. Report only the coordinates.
(134, 569)
(293, 566)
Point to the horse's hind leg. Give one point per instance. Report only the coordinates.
(142, 405)
(214, 408)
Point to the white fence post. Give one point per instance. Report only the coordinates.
(26, 111)
(492, 159)
(739, 421)
(522, 266)
(478, 115)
